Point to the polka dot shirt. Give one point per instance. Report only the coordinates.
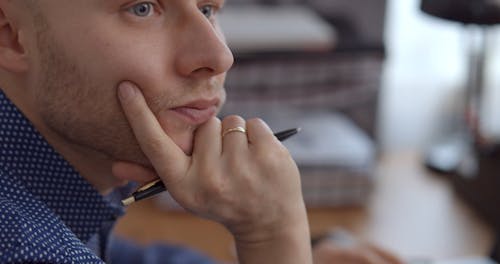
(48, 212)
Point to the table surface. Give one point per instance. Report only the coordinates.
(411, 212)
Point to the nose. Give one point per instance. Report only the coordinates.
(202, 51)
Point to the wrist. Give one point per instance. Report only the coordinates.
(278, 224)
(288, 241)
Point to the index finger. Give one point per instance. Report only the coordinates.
(167, 158)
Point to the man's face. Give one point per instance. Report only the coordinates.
(172, 49)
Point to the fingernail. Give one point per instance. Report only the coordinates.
(127, 90)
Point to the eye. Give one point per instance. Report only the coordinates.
(208, 10)
(143, 9)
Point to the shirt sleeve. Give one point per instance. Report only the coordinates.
(126, 252)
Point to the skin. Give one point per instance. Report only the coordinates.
(101, 88)
(92, 123)
(65, 77)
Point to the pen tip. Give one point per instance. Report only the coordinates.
(128, 201)
(299, 129)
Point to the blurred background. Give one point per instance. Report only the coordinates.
(399, 105)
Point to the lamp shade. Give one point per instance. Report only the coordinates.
(482, 12)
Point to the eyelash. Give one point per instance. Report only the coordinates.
(132, 10)
(214, 9)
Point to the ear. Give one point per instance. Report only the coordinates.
(12, 53)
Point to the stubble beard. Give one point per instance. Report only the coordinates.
(83, 114)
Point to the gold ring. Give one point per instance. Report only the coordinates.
(234, 129)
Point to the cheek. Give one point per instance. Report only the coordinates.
(147, 71)
(153, 76)
(134, 59)
(109, 53)
(112, 57)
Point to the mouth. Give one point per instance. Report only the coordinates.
(197, 112)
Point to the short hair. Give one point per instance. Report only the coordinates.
(33, 6)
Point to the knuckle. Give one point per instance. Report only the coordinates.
(275, 159)
(255, 122)
(213, 122)
(233, 119)
(258, 124)
(213, 186)
(274, 152)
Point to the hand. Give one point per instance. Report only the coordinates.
(246, 181)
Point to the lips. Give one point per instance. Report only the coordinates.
(197, 112)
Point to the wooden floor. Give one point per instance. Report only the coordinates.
(411, 212)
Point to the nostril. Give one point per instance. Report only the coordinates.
(203, 72)
(203, 52)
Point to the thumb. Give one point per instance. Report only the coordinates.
(167, 158)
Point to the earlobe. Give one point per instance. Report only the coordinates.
(12, 53)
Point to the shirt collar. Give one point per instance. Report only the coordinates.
(49, 177)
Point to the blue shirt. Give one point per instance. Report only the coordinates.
(50, 214)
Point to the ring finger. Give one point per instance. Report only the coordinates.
(234, 136)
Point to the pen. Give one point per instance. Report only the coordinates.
(157, 186)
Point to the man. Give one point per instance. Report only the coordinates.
(96, 94)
